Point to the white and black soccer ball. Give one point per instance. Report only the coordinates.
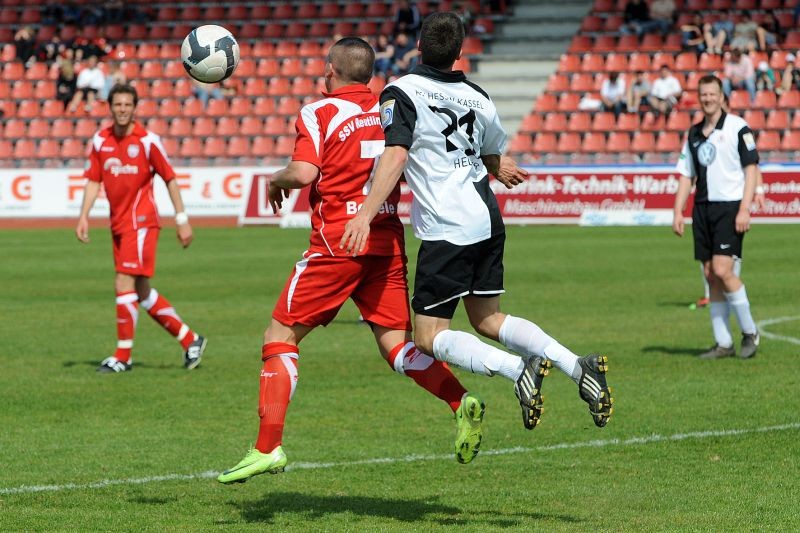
(210, 53)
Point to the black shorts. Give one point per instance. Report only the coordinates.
(446, 272)
(714, 230)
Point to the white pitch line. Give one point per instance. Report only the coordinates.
(600, 443)
(775, 336)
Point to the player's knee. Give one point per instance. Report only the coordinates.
(721, 270)
(424, 343)
(488, 326)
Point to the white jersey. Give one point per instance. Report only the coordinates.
(717, 161)
(447, 123)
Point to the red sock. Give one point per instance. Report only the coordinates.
(127, 313)
(277, 383)
(432, 375)
(162, 312)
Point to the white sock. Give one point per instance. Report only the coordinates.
(527, 339)
(470, 353)
(741, 308)
(719, 324)
(706, 291)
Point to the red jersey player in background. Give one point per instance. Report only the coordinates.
(338, 141)
(124, 158)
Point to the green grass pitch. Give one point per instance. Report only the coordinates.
(692, 445)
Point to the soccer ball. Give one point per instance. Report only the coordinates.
(210, 53)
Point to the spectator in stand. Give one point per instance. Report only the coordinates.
(384, 54)
(769, 32)
(407, 19)
(692, 36)
(612, 94)
(463, 12)
(745, 33)
(638, 20)
(25, 43)
(663, 15)
(638, 92)
(405, 54)
(66, 84)
(91, 81)
(665, 92)
(115, 77)
(718, 33)
(52, 50)
(765, 77)
(790, 80)
(739, 74)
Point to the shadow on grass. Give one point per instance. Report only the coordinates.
(315, 507)
(673, 350)
(685, 305)
(94, 363)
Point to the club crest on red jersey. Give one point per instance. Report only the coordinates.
(133, 150)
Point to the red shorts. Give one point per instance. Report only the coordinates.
(320, 284)
(135, 252)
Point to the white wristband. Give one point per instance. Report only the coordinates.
(759, 190)
(181, 218)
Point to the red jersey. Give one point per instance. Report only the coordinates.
(126, 168)
(342, 136)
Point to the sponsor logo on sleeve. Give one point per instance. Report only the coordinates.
(749, 141)
(387, 113)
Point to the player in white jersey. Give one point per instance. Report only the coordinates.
(720, 158)
(444, 134)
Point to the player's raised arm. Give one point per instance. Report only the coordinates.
(390, 168)
(90, 192)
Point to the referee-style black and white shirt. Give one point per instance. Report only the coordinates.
(718, 161)
(447, 123)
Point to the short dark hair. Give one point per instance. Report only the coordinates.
(123, 88)
(353, 59)
(440, 40)
(708, 79)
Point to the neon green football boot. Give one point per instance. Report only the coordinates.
(469, 434)
(253, 464)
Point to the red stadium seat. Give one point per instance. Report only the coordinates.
(24, 149)
(151, 70)
(44, 89)
(296, 30)
(766, 100)
(520, 143)
(740, 100)
(569, 63)
(660, 59)
(312, 49)
(278, 87)
(173, 108)
(251, 126)
(628, 122)
(755, 119)
(255, 87)
(276, 125)
(28, 109)
(238, 147)
(592, 63)
(48, 149)
(85, 128)
(532, 123)
(558, 82)
(180, 127)
(239, 106)
(286, 49)
(261, 11)
(214, 147)
(314, 67)
(330, 10)
(616, 63)
(217, 107)
(283, 11)
(791, 141)
(643, 141)
(174, 69)
(159, 126)
(62, 127)
(679, 121)
(582, 82)
(291, 67)
(668, 141)
(38, 128)
(161, 89)
(568, 143)
(353, 10)
(628, 43)
(317, 30)
(545, 143)
(652, 42)
(263, 146)
(604, 43)
(214, 13)
(251, 30)
(777, 119)
(591, 24)
(376, 85)
(190, 147)
(555, 122)
(182, 88)
(686, 61)
(147, 108)
(709, 62)
(227, 126)
(593, 143)
(472, 46)
(639, 63)
(22, 90)
(273, 30)
(16, 128)
(204, 127)
(579, 122)
(769, 141)
(37, 71)
(604, 122)
(264, 106)
(284, 146)
(619, 142)
(568, 102)
(148, 51)
(581, 44)
(789, 100)
(546, 102)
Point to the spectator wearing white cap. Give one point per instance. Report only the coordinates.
(765, 77)
(790, 80)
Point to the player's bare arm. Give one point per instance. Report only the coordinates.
(759, 197)
(184, 230)
(90, 193)
(390, 168)
(743, 216)
(295, 175)
(505, 169)
(684, 188)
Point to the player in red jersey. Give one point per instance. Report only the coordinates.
(338, 140)
(124, 158)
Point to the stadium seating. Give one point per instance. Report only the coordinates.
(598, 48)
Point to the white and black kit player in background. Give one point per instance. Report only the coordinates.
(720, 158)
(444, 134)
